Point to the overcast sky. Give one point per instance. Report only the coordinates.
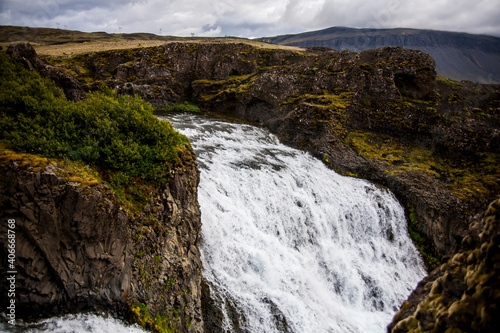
(246, 18)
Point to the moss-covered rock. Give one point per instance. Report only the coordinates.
(462, 295)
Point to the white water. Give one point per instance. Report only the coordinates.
(283, 234)
(80, 323)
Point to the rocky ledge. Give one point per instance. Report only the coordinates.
(77, 249)
(462, 295)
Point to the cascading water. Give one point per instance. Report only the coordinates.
(291, 244)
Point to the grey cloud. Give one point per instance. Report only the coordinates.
(252, 19)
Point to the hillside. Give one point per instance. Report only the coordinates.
(458, 56)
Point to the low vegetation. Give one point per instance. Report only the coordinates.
(324, 108)
(70, 171)
(232, 86)
(118, 135)
(431, 258)
(161, 324)
(185, 107)
(467, 178)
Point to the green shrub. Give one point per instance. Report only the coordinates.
(119, 134)
(186, 107)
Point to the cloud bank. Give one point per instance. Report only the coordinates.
(251, 19)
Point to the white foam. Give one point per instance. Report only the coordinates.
(79, 323)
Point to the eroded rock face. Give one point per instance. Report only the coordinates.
(25, 53)
(72, 247)
(463, 294)
(78, 250)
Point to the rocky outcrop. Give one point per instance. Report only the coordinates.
(77, 248)
(463, 294)
(459, 56)
(25, 54)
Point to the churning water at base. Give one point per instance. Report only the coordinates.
(295, 246)
(79, 323)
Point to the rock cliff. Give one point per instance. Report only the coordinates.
(78, 249)
(25, 54)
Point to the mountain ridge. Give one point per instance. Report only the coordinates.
(459, 56)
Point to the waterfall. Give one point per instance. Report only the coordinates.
(288, 244)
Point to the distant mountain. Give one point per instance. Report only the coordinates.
(458, 56)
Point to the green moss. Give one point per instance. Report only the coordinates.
(367, 68)
(321, 102)
(422, 243)
(162, 324)
(399, 158)
(323, 109)
(185, 107)
(396, 64)
(475, 176)
(454, 83)
(233, 85)
(83, 175)
(468, 178)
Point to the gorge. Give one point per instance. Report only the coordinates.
(379, 114)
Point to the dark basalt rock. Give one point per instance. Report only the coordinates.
(461, 295)
(26, 54)
(78, 250)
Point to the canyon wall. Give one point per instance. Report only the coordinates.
(341, 106)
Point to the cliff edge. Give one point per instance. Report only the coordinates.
(101, 203)
(77, 249)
